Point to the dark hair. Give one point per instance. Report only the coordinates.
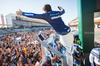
(47, 8)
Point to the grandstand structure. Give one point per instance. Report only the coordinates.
(14, 23)
(22, 21)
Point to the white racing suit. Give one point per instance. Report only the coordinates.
(67, 42)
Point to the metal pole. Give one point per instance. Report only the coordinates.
(64, 62)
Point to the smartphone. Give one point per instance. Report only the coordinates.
(41, 37)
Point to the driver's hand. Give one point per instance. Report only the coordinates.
(19, 12)
(59, 7)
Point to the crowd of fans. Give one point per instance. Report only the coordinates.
(19, 49)
(25, 49)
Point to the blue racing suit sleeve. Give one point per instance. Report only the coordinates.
(33, 15)
(28, 14)
(61, 12)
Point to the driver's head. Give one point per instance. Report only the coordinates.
(47, 8)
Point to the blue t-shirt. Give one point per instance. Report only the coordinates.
(53, 18)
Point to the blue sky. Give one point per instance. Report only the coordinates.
(35, 6)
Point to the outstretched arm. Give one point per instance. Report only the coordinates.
(32, 15)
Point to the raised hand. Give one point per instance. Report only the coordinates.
(59, 7)
(19, 12)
